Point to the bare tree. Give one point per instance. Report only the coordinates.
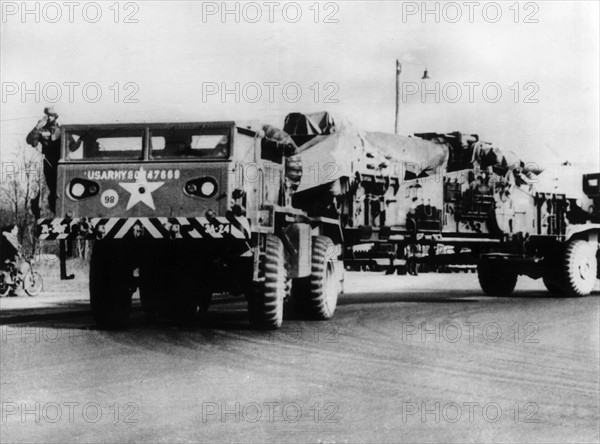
(23, 184)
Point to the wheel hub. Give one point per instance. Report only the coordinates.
(584, 270)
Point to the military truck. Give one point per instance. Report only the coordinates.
(182, 211)
(448, 193)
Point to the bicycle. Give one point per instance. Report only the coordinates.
(12, 277)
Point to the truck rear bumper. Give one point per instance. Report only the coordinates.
(234, 227)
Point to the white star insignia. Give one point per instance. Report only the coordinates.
(141, 190)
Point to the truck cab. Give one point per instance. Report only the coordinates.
(165, 170)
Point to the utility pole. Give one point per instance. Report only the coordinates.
(398, 71)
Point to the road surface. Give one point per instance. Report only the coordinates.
(406, 359)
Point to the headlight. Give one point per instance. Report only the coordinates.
(82, 188)
(77, 190)
(207, 188)
(202, 187)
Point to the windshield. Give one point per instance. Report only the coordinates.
(120, 143)
(189, 143)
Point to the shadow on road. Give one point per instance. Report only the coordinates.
(230, 313)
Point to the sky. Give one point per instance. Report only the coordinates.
(173, 60)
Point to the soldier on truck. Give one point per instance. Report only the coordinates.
(47, 133)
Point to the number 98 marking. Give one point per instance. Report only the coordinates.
(109, 198)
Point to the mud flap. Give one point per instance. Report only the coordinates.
(63, 261)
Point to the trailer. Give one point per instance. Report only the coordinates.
(478, 203)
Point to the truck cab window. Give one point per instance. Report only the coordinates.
(104, 144)
(183, 143)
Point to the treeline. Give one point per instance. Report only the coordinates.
(24, 198)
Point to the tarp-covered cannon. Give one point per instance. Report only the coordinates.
(377, 180)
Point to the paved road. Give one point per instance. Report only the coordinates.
(400, 363)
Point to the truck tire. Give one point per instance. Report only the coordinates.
(317, 294)
(552, 285)
(496, 278)
(266, 298)
(188, 304)
(153, 285)
(4, 287)
(580, 268)
(110, 285)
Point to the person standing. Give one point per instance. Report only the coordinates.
(47, 133)
(293, 163)
(10, 248)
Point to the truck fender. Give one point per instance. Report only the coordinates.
(588, 232)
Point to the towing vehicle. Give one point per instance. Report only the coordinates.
(181, 211)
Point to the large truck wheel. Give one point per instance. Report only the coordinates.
(552, 285)
(317, 294)
(580, 268)
(188, 303)
(497, 278)
(4, 286)
(110, 285)
(148, 298)
(265, 301)
(153, 286)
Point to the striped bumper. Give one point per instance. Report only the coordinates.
(233, 227)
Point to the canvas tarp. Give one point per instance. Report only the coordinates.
(339, 149)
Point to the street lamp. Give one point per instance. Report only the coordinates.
(398, 72)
